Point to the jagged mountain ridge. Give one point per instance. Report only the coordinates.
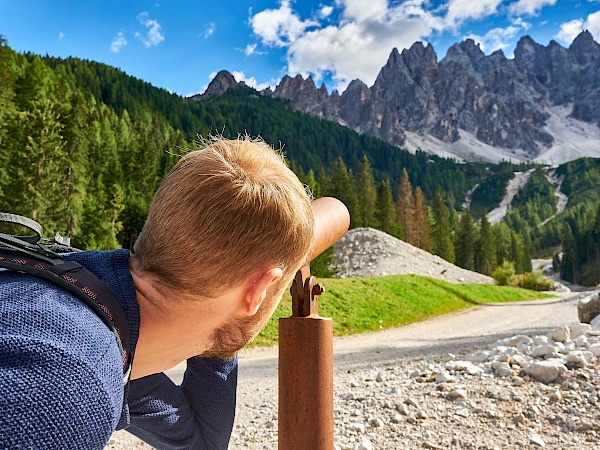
(540, 106)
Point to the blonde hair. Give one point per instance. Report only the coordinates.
(221, 214)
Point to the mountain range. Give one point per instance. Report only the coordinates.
(540, 106)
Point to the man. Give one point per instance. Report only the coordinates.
(227, 230)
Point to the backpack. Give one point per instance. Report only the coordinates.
(41, 258)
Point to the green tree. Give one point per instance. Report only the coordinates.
(485, 251)
(466, 235)
(342, 188)
(386, 210)
(37, 149)
(366, 195)
(441, 232)
(404, 207)
(421, 235)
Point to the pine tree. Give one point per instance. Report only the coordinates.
(465, 241)
(441, 232)
(485, 252)
(386, 210)
(421, 236)
(404, 207)
(366, 195)
(8, 112)
(311, 182)
(501, 234)
(342, 188)
(38, 149)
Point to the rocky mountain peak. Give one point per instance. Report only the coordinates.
(585, 49)
(475, 106)
(219, 84)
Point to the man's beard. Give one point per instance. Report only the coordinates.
(235, 334)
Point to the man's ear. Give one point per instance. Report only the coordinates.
(257, 289)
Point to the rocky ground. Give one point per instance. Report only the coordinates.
(522, 392)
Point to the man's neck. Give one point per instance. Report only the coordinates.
(171, 330)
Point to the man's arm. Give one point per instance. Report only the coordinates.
(198, 414)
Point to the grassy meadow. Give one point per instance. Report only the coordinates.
(370, 304)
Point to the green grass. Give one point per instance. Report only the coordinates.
(369, 304)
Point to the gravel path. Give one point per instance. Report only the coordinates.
(407, 388)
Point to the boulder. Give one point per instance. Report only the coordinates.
(588, 308)
(546, 371)
(561, 334)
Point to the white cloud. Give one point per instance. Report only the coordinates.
(251, 49)
(61, 36)
(357, 47)
(593, 24)
(361, 10)
(497, 38)
(325, 11)
(209, 30)
(118, 43)
(251, 81)
(459, 10)
(153, 36)
(529, 7)
(360, 42)
(570, 30)
(279, 27)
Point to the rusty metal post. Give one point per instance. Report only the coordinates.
(306, 347)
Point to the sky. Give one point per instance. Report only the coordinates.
(180, 45)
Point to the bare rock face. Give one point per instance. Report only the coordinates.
(502, 102)
(219, 84)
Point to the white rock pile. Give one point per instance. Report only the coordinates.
(366, 252)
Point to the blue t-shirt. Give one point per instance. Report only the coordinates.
(61, 382)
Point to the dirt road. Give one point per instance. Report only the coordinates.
(456, 332)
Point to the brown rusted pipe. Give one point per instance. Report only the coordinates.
(331, 223)
(306, 347)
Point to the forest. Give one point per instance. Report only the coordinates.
(84, 147)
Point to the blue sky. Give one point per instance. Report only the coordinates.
(181, 44)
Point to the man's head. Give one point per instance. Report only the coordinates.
(221, 215)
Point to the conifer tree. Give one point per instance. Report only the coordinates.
(342, 188)
(7, 114)
(366, 195)
(485, 252)
(501, 235)
(441, 232)
(404, 207)
(37, 149)
(311, 182)
(465, 241)
(324, 183)
(386, 210)
(421, 235)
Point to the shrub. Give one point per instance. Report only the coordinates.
(505, 274)
(535, 281)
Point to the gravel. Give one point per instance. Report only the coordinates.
(366, 252)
